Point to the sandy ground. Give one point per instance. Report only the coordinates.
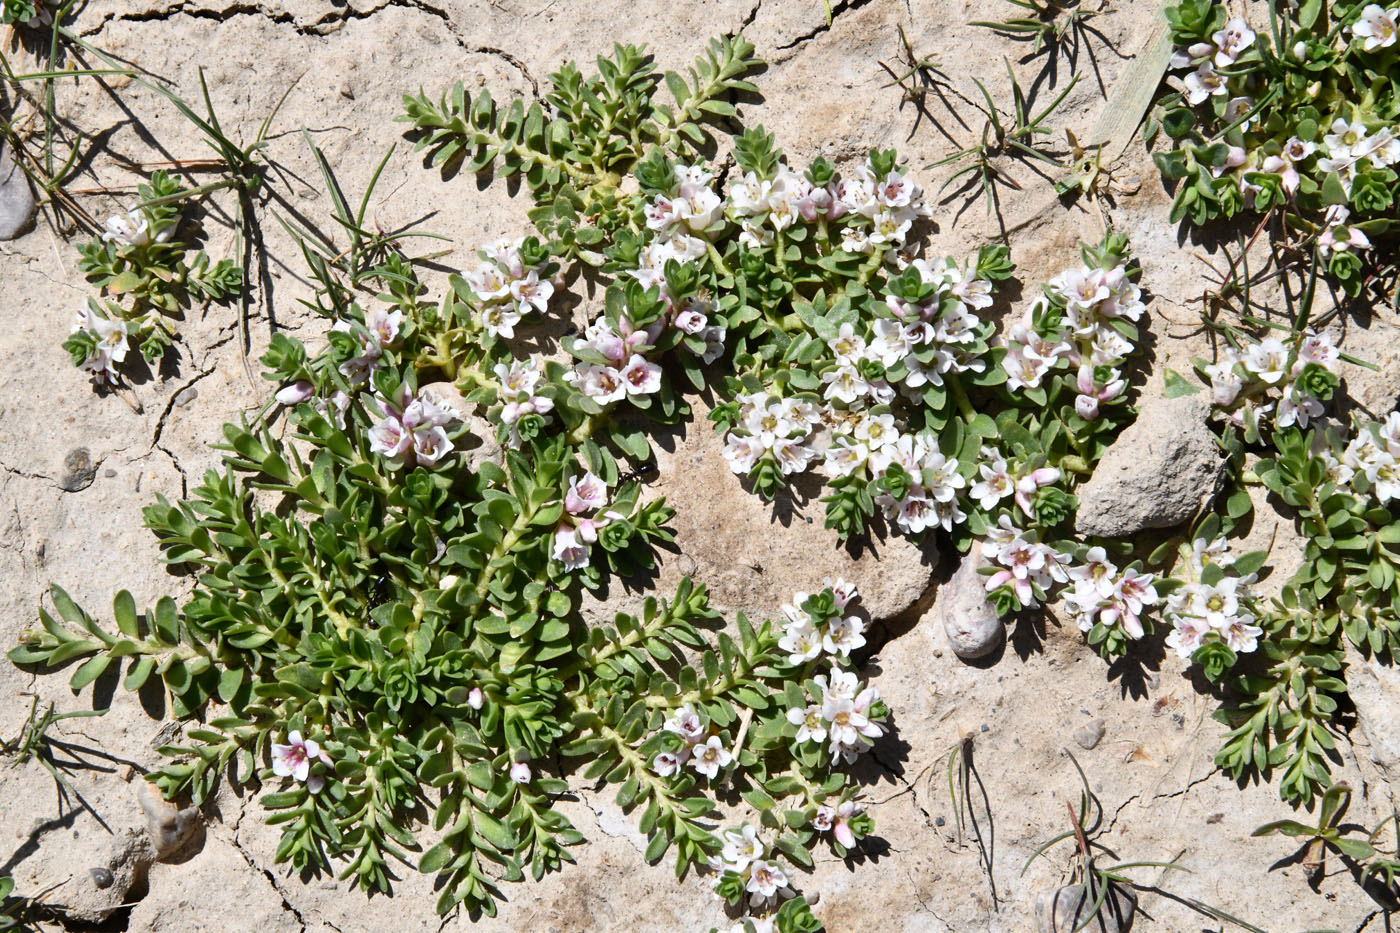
(824, 93)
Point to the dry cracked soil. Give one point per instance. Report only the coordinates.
(76, 467)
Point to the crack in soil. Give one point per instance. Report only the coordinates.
(845, 6)
(320, 27)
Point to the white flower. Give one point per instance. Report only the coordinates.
(743, 452)
(742, 848)
(520, 772)
(667, 763)
(686, 723)
(1267, 359)
(430, 445)
(130, 229)
(709, 757)
(843, 636)
(766, 882)
(500, 320)
(1231, 41)
(802, 641)
(1202, 83)
(1240, 634)
(1376, 27)
(530, 293)
(1338, 237)
(1188, 634)
(810, 725)
(295, 393)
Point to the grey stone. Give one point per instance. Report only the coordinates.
(1090, 734)
(1375, 690)
(174, 832)
(78, 470)
(1061, 910)
(121, 864)
(185, 396)
(1156, 474)
(17, 205)
(971, 622)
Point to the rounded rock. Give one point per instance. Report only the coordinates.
(971, 622)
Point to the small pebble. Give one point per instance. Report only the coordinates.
(185, 396)
(1090, 734)
(109, 472)
(102, 877)
(939, 821)
(78, 470)
(986, 728)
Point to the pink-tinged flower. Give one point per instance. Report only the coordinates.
(295, 393)
(430, 445)
(391, 439)
(766, 881)
(1202, 83)
(742, 452)
(530, 293)
(824, 819)
(691, 322)
(1188, 634)
(1377, 27)
(475, 698)
(1136, 589)
(640, 376)
(586, 492)
(1027, 485)
(709, 757)
(568, 549)
(520, 772)
(1231, 41)
(1339, 237)
(841, 823)
(686, 723)
(295, 759)
(383, 325)
(667, 764)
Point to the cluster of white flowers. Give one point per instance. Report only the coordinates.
(109, 346)
(682, 223)
(379, 333)
(1103, 594)
(699, 750)
(1027, 564)
(1205, 58)
(805, 638)
(999, 480)
(506, 290)
(413, 429)
(772, 428)
(878, 211)
(1350, 147)
(519, 383)
(837, 821)
(1267, 373)
(1085, 339)
(1198, 610)
(844, 717)
(746, 855)
(1374, 454)
(585, 514)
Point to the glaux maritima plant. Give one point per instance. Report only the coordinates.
(147, 277)
(1298, 120)
(848, 350)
